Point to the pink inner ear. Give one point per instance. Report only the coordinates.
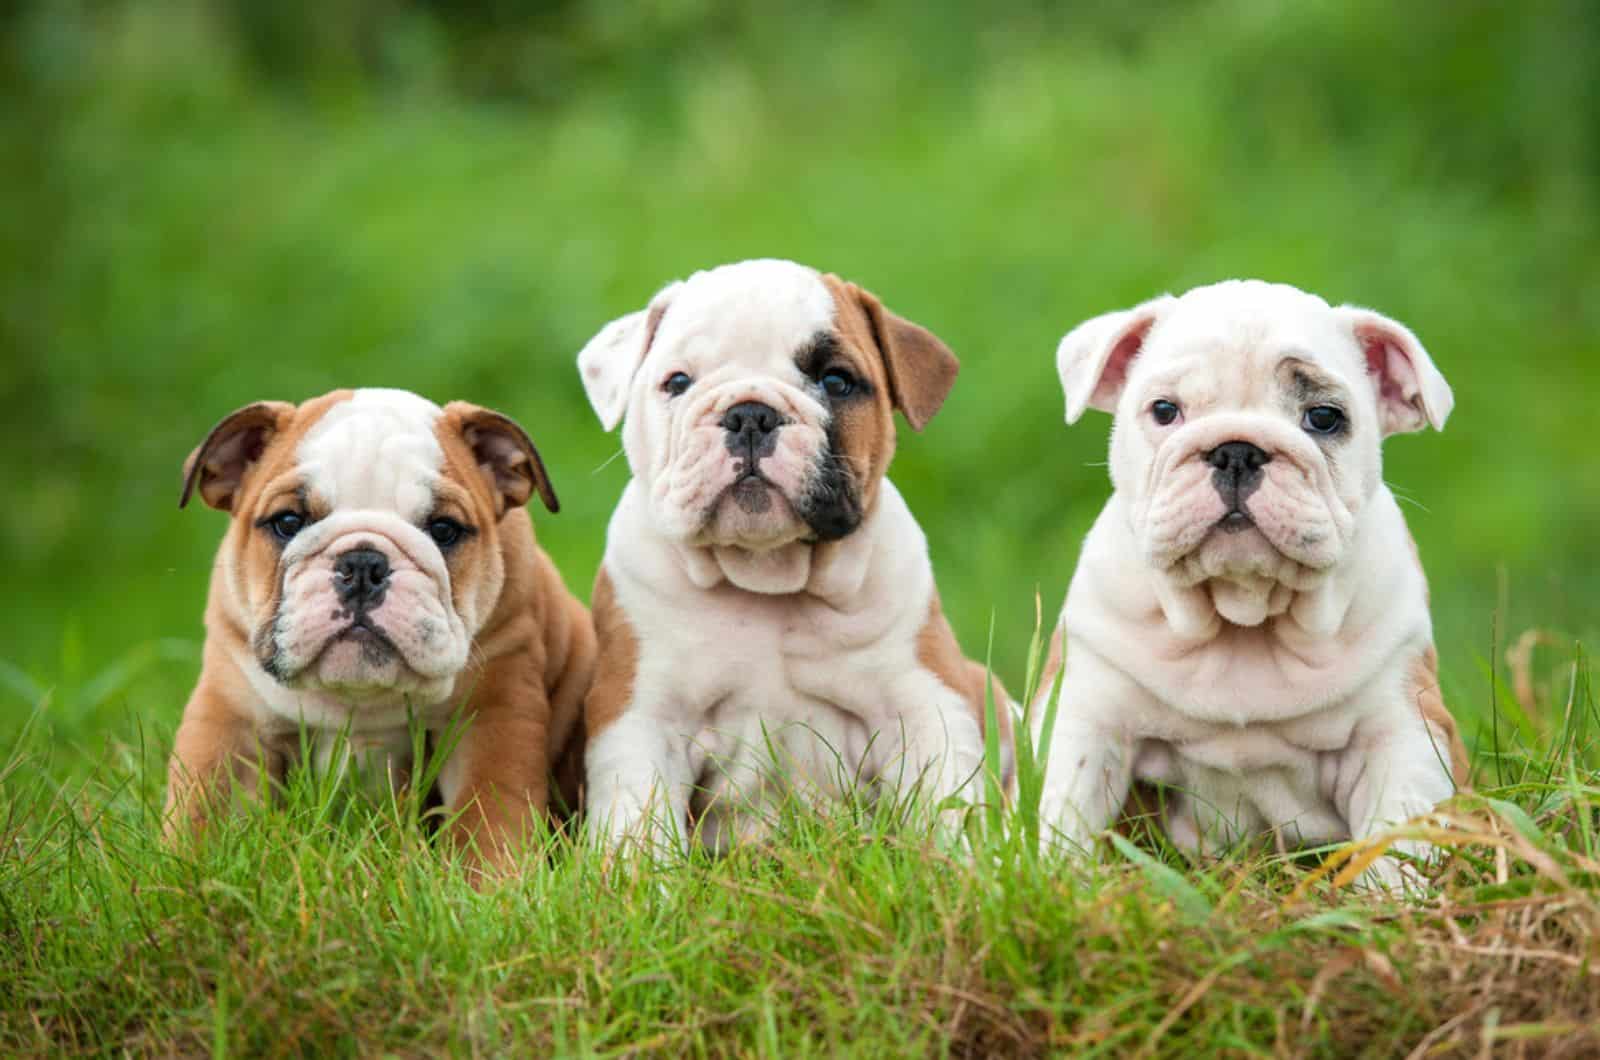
(1389, 366)
(1115, 373)
(503, 460)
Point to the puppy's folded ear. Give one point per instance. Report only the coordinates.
(1411, 392)
(505, 454)
(1093, 358)
(218, 465)
(610, 360)
(920, 366)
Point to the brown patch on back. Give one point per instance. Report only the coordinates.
(1422, 683)
(938, 650)
(618, 662)
(1423, 686)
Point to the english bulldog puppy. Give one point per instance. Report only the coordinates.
(1248, 624)
(380, 566)
(768, 621)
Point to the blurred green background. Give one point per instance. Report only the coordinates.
(203, 204)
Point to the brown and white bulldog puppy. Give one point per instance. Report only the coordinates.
(380, 566)
(1248, 622)
(767, 614)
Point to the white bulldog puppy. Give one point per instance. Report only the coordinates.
(766, 612)
(1248, 624)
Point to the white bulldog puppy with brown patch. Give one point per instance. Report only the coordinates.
(1248, 624)
(766, 611)
(380, 566)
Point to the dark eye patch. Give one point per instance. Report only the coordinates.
(816, 355)
(1310, 388)
(822, 360)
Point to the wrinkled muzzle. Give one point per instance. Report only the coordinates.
(1241, 496)
(737, 464)
(365, 611)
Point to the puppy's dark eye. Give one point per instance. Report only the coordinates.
(838, 383)
(445, 531)
(285, 524)
(677, 383)
(1323, 419)
(1165, 413)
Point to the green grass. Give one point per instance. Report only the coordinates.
(327, 922)
(200, 207)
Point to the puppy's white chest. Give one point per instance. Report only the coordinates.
(1233, 782)
(769, 674)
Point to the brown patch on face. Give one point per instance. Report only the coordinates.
(466, 488)
(490, 468)
(938, 651)
(618, 662)
(920, 368)
(862, 430)
(904, 365)
(502, 451)
(259, 488)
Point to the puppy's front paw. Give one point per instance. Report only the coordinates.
(1396, 877)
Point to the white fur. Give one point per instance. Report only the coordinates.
(827, 677)
(1262, 673)
(756, 643)
(734, 331)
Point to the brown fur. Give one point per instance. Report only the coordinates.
(1424, 685)
(920, 367)
(612, 690)
(907, 367)
(864, 434)
(530, 666)
(938, 650)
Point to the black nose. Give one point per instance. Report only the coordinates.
(751, 417)
(1237, 459)
(361, 577)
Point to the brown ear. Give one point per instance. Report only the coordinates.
(218, 465)
(921, 367)
(505, 454)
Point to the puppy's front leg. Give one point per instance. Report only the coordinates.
(1088, 768)
(1391, 773)
(940, 745)
(639, 776)
(495, 782)
(218, 755)
(1086, 782)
